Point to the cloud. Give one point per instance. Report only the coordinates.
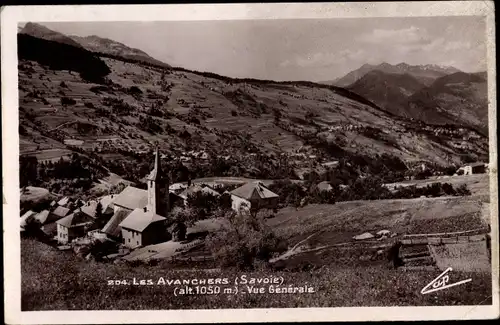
(324, 59)
(396, 36)
(458, 45)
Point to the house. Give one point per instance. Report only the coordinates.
(144, 225)
(177, 187)
(195, 189)
(72, 226)
(237, 203)
(474, 168)
(107, 203)
(27, 217)
(324, 186)
(45, 217)
(90, 208)
(48, 222)
(256, 194)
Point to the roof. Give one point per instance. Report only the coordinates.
(28, 214)
(107, 202)
(132, 198)
(330, 163)
(112, 228)
(89, 208)
(75, 219)
(139, 220)
(61, 211)
(197, 188)
(26, 218)
(254, 190)
(476, 164)
(45, 217)
(63, 201)
(177, 186)
(325, 186)
(50, 228)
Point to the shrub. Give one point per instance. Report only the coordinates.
(234, 113)
(289, 193)
(134, 90)
(463, 190)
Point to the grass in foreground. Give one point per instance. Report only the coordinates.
(54, 280)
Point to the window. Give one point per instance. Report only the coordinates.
(129, 240)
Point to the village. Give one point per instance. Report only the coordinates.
(135, 218)
(138, 224)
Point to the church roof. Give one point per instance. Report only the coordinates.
(132, 198)
(112, 228)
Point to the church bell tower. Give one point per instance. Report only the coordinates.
(158, 181)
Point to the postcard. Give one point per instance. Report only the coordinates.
(249, 162)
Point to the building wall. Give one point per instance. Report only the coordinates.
(236, 202)
(75, 232)
(155, 233)
(478, 169)
(132, 238)
(62, 234)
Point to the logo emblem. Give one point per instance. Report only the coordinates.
(441, 282)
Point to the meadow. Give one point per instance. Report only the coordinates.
(54, 280)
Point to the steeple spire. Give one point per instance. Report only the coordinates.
(156, 173)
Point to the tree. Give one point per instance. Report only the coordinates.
(28, 170)
(245, 241)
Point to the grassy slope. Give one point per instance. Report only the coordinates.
(55, 280)
(478, 184)
(338, 223)
(203, 96)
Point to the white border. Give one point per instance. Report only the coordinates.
(11, 16)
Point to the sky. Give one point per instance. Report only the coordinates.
(299, 49)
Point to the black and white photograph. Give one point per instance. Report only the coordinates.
(252, 164)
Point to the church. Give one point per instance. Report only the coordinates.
(148, 225)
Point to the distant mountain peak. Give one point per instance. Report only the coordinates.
(425, 74)
(104, 45)
(40, 31)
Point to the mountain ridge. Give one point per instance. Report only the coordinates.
(137, 104)
(92, 43)
(425, 73)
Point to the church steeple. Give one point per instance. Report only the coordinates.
(156, 173)
(156, 182)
